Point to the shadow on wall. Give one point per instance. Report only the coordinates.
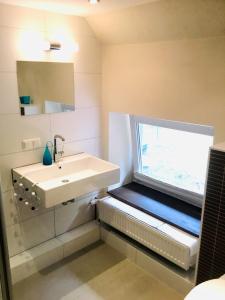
(119, 140)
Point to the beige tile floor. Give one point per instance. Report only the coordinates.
(97, 274)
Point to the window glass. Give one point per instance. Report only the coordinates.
(175, 157)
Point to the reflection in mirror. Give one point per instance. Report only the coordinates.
(45, 87)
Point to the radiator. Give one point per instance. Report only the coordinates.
(166, 240)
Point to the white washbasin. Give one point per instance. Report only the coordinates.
(75, 176)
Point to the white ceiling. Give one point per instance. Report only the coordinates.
(77, 7)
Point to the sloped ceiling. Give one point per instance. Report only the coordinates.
(160, 21)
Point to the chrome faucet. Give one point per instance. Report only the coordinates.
(55, 151)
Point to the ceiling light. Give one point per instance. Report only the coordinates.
(94, 1)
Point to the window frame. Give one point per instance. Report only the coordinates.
(182, 194)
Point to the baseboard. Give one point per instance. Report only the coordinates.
(171, 275)
(34, 260)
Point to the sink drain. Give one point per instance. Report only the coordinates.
(65, 181)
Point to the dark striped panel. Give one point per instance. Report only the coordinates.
(212, 249)
(219, 256)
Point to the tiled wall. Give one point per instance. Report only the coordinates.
(21, 31)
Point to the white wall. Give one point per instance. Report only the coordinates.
(21, 31)
(165, 59)
(180, 80)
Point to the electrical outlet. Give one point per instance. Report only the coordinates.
(31, 144)
(36, 143)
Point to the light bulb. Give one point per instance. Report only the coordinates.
(94, 1)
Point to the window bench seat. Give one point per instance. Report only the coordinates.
(166, 240)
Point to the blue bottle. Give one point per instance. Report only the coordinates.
(47, 157)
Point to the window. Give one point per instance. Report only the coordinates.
(171, 156)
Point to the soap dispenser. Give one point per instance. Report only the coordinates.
(47, 157)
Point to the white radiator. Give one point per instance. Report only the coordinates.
(174, 244)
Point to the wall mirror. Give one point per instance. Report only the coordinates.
(45, 87)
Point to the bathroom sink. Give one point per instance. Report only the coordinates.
(74, 176)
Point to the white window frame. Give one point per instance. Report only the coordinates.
(185, 195)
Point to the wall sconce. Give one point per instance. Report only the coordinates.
(55, 46)
(72, 47)
(47, 46)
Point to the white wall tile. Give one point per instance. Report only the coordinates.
(90, 146)
(85, 212)
(15, 128)
(9, 94)
(87, 90)
(80, 238)
(65, 30)
(10, 161)
(25, 212)
(65, 54)
(20, 44)
(16, 211)
(88, 59)
(59, 23)
(11, 213)
(78, 125)
(30, 233)
(22, 32)
(72, 215)
(31, 261)
(21, 17)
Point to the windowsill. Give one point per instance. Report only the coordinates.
(166, 208)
